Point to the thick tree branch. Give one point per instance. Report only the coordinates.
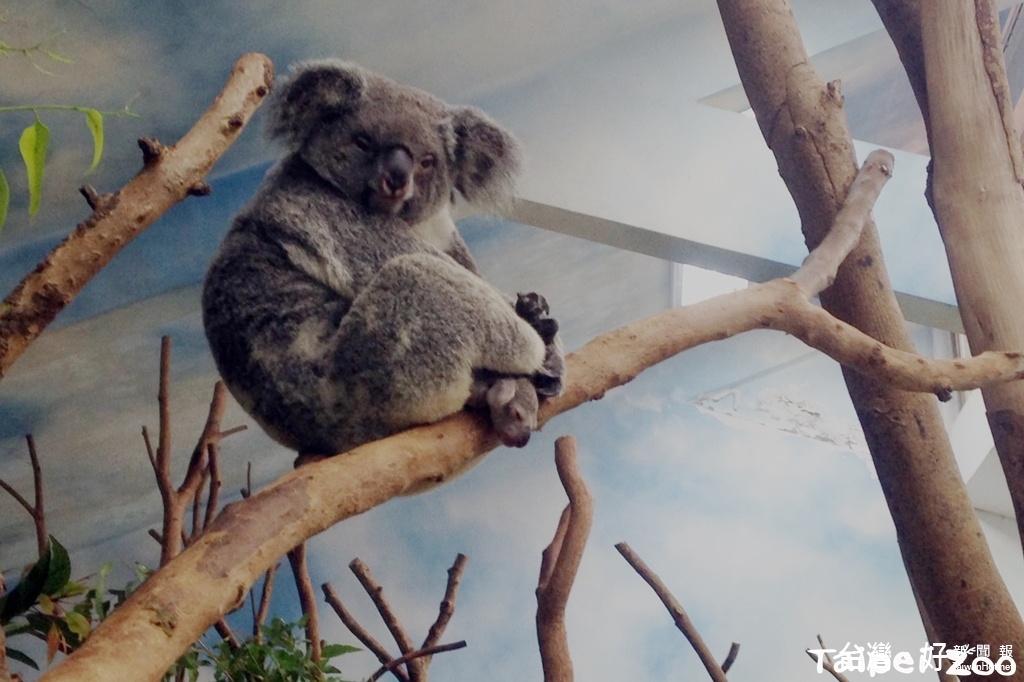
(168, 176)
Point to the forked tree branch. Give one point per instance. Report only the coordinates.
(416, 661)
(249, 536)
(37, 508)
(560, 563)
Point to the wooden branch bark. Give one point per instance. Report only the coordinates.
(307, 599)
(977, 171)
(561, 561)
(360, 633)
(175, 606)
(168, 176)
(801, 118)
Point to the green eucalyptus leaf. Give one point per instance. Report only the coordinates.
(5, 198)
(32, 144)
(94, 121)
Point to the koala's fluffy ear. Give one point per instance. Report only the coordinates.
(486, 158)
(315, 91)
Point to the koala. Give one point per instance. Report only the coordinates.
(343, 305)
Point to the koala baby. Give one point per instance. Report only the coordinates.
(343, 305)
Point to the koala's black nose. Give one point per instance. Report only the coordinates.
(396, 169)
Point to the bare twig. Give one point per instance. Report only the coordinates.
(376, 593)
(307, 599)
(730, 658)
(416, 661)
(247, 490)
(227, 634)
(560, 563)
(447, 607)
(213, 497)
(676, 610)
(162, 182)
(37, 509)
(259, 616)
(203, 464)
(360, 633)
(825, 661)
(424, 652)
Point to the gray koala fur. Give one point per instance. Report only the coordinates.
(343, 305)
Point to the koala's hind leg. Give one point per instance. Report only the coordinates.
(414, 336)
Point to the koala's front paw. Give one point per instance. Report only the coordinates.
(534, 309)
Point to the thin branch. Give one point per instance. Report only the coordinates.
(246, 492)
(360, 633)
(227, 634)
(37, 509)
(391, 666)
(260, 613)
(376, 593)
(676, 610)
(560, 564)
(730, 658)
(213, 498)
(307, 599)
(150, 452)
(39, 513)
(447, 607)
(825, 661)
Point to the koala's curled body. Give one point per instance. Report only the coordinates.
(343, 305)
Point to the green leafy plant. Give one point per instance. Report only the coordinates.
(47, 605)
(279, 654)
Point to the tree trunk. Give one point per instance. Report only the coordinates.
(978, 202)
(948, 562)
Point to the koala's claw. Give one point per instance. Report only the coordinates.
(547, 386)
(534, 309)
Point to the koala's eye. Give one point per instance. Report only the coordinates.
(362, 142)
(428, 162)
